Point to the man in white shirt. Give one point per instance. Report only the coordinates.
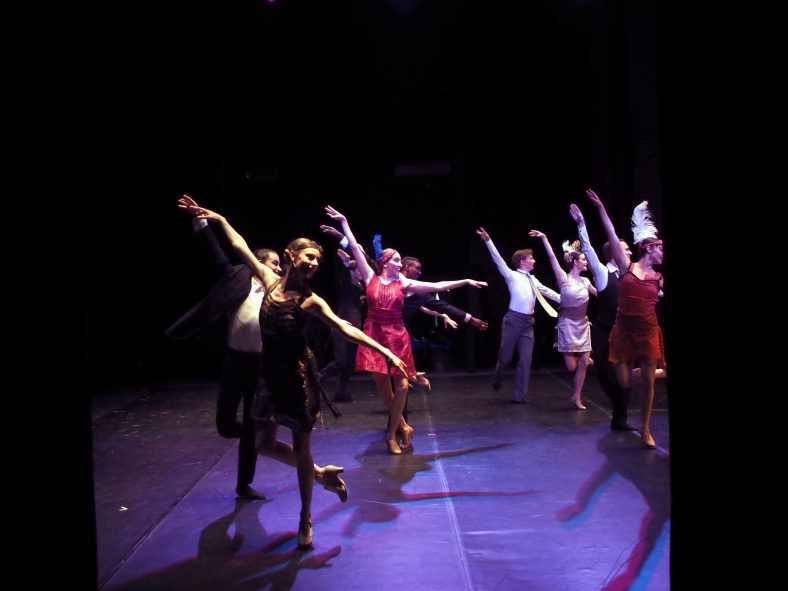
(518, 322)
(229, 317)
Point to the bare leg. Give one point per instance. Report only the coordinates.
(647, 401)
(659, 374)
(397, 403)
(395, 415)
(383, 383)
(269, 446)
(580, 378)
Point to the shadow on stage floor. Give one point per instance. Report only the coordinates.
(494, 495)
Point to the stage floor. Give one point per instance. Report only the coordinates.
(494, 496)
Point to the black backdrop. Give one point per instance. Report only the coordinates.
(266, 111)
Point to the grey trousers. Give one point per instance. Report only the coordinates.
(517, 331)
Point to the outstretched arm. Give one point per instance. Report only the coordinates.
(560, 275)
(433, 286)
(317, 306)
(621, 257)
(358, 254)
(213, 251)
(597, 268)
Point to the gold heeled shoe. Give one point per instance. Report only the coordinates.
(394, 448)
(332, 482)
(407, 435)
(304, 537)
(579, 405)
(648, 440)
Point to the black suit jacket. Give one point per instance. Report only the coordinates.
(207, 320)
(351, 298)
(415, 301)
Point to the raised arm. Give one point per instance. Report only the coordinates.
(317, 306)
(621, 257)
(363, 266)
(560, 275)
(266, 275)
(212, 250)
(503, 268)
(597, 268)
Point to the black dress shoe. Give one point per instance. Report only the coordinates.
(247, 492)
(621, 426)
(496, 386)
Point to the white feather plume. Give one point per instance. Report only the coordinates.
(569, 249)
(642, 226)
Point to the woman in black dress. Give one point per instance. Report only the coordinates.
(293, 392)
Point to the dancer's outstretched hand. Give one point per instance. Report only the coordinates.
(334, 214)
(332, 231)
(421, 380)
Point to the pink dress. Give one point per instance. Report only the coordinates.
(384, 324)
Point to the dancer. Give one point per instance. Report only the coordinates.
(232, 305)
(350, 305)
(573, 331)
(518, 322)
(636, 338)
(289, 367)
(429, 304)
(385, 299)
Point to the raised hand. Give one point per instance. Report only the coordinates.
(477, 284)
(332, 231)
(594, 198)
(334, 214)
(537, 234)
(483, 234)
(344, 256)
(207, 214)
(188, 204)
(576, 214)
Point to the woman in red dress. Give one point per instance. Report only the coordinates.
(385, 299)
(636, 338)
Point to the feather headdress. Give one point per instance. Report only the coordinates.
(569, 249)
(377, 245)
(642, 226)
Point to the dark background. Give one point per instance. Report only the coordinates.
(267, 111)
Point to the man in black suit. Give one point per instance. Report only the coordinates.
(350, 304)
(411, 268)
(229, 316)
(606, 282)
